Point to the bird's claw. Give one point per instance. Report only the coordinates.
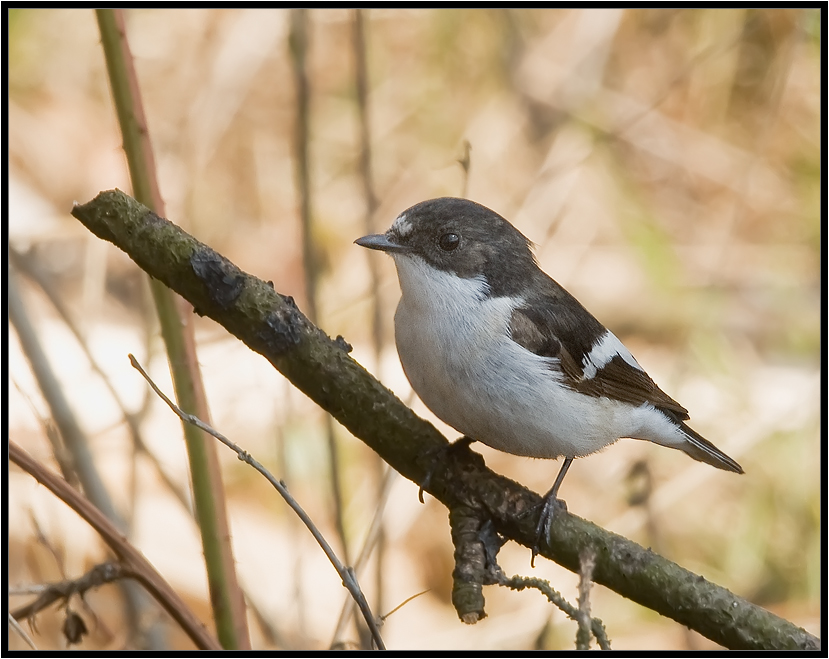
(549, 506)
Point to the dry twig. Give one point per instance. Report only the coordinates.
(346, 573)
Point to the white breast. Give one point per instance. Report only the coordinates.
(455, 349)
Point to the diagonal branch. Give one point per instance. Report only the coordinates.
(273, 326)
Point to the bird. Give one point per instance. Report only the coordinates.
(502, 353)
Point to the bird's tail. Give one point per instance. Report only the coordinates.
(701, 449)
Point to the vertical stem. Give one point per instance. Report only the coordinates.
(465, 162)
(299, 49)
(361, 75)
(298, 41)
(587, 563)
(361, 83)
(176, 316)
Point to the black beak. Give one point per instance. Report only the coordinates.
(382, 242)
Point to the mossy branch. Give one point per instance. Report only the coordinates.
(273, 326)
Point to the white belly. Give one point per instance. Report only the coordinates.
(491, 389)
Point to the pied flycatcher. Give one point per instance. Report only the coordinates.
(503, 354)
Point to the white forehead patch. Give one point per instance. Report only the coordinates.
(402, 225)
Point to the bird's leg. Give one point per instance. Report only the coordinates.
(439, 455)
(548, 509)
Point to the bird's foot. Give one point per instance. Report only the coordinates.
(439, 455)
(549, 506)
(548, 510)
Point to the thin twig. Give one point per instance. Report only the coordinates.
(336, 484)
(386, 616)
(62, 455)
(42, 540)
(99, 575)
(298, 42)
(350, 645)
(346, 573)
(587, 560)
(370, 199)
(372, 538)
(465, 161)
(520, 583)
(21, 632)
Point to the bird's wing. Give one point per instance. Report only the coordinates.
(591, 359)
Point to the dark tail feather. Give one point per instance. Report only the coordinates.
(701, 449)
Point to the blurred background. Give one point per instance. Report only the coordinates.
(666, 164)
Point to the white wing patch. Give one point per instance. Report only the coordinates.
(605, 349)
(402, 226)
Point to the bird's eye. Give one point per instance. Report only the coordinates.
(449, 241)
